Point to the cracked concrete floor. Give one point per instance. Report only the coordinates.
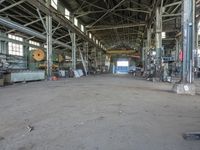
(97, 113)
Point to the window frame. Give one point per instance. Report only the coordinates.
(15, 48)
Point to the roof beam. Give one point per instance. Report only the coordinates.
(133, 10)
(110, 27)
(80, 14)
(11, 6)
(1, 1)
(141, 5)
(92, 4)
(171, 15)
(27, 24)
(27, 30)
(108, 11)
(62, 20)
(172, 4)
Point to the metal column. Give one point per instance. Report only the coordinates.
(188, 23)
(197, 45)
(73, 38)
(95, 57)
(100, 60)
(177, 49)
(148, 38)
(148, 46)
(86, 53)
(49, 42)
(143, 54)
(49, 45)
(158, 38)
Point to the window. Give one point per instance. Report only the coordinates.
(94, 39)
(97, 41)
(82, 28)
(163, 35)
(199, 28)
(76, 21)
(67, 13)
(54, 3)
(14, 48)
(90, 35)
(33, 43)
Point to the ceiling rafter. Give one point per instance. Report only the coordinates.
(12, 5)
(108, 11)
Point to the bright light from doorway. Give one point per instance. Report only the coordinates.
(154, 53)
(122, 63)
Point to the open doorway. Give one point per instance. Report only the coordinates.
(122, 67)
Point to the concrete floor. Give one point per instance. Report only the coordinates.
(97, 113)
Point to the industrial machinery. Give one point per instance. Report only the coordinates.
(37, 60)
(38, 55)
(3, 69)
(3, 64)
(24, 75)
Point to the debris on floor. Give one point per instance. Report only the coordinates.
(191, 136)
(30, 128)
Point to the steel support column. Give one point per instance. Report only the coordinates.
(100, 60)
(188, 23)
(95, 51)
(177, 49)
(158, 38)
(143, 54)
(148, 46)
(86, 53)
(49, 45)
(197, 45)
(73, 38)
